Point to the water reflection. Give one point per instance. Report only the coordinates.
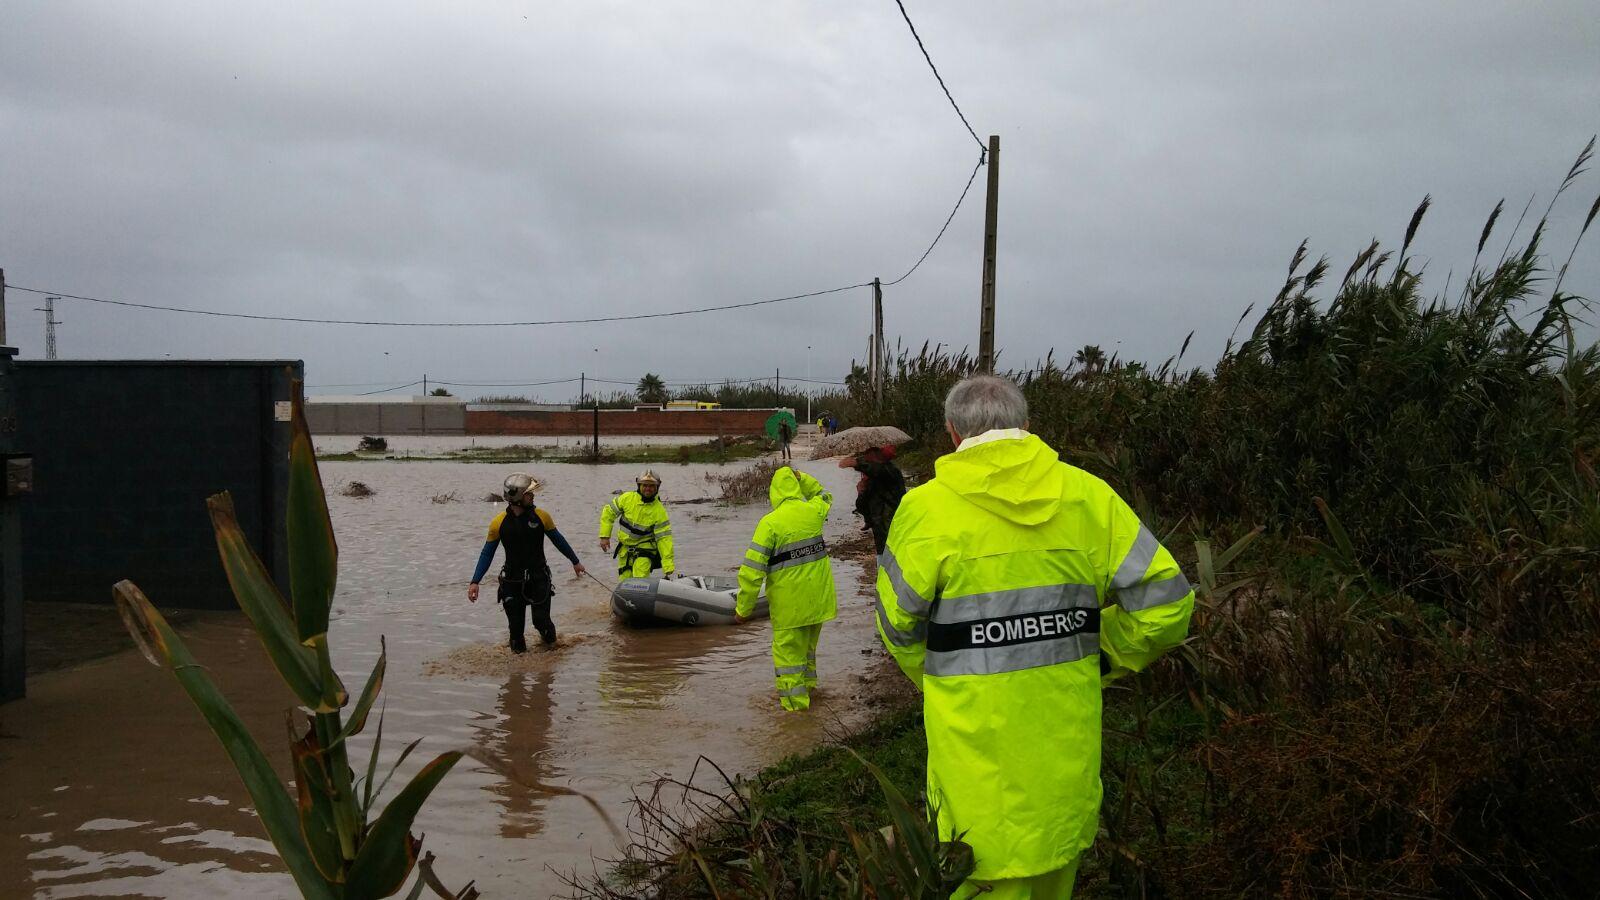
(521, 740)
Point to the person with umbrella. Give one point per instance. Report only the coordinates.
(781, 427)
(878, 491)
(785, 435)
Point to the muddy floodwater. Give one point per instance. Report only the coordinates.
(399, 445)
(110, 784)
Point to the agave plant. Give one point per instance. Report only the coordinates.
(324, 833)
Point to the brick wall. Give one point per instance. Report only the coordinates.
(708, 422)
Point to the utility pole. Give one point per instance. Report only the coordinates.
(777, 393)
(878, 362)
(50, 324)
(424, 384)
(2, 307)
(986, 317)
(581, 377)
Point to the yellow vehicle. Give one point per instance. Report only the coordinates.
(692, 404)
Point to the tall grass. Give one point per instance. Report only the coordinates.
(1393, 690)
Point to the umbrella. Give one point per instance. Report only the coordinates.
(854, 440)
(777, 419)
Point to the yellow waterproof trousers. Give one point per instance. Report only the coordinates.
(639, 568)
(1056, 885)
(794, 662)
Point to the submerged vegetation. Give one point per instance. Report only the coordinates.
(1389, 687)
(745, 485)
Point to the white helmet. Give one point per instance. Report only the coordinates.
(519, 483)
(650, 476)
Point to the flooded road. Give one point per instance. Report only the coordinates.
(112, 786)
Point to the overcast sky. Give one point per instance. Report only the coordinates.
(514, 161)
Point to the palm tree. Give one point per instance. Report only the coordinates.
(1091, 358)
(652, 389)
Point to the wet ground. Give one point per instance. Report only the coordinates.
(110, 785)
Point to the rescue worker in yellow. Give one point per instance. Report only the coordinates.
(1012, 588)
(789, 554)
(644, 535)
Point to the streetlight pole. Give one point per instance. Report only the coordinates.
(809, 383)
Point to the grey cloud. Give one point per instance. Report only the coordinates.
(1160, 163)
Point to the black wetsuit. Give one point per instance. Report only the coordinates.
(525, 584)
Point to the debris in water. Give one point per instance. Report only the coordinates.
(492, 498)
(373, 444)
(357, 489)
(447, 497)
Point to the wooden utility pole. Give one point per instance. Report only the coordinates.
(878, 362)
(777, 392)
(581, 376)
(424, 384)
(3, 308)
(991, 208)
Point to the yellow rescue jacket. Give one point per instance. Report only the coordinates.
(789, 554)
(639, 525)
(1004, 582)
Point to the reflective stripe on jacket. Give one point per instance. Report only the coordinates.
(639, 524)
(789, 554)
(991, 597)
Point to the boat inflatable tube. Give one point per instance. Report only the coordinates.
(686, 600)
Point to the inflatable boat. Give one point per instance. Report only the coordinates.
(685, 600)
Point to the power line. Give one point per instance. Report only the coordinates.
(506, 383)
(948, 219)
(387, 390)
(708, 382)
(350, 384)
(982, 148)
(982, 155)
(587, 321)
